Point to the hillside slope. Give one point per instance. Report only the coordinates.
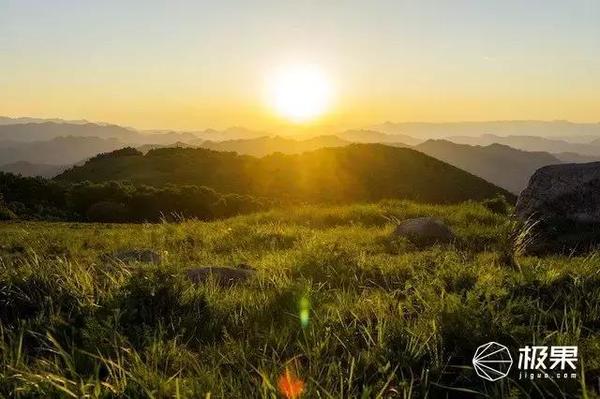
(502, 165)
(358, 172)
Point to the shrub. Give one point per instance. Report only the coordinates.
(497, 205)
(5, 212)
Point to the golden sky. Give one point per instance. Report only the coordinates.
(192, 65)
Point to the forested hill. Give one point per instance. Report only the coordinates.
(358, 172)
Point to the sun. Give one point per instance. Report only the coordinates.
(299, 93)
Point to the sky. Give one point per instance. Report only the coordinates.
(198, 64)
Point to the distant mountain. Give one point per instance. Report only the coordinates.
(10, 143)
(28, 169)
(499, 164)
(57, 151)
(231, 133)
(595, 142)
(571, 157)
(557, 129)
(372, 136)
(4, 120)
(530, 143)
(357, 172)
(49, 130)
(262, 146)
(147, 147)
(265, 145)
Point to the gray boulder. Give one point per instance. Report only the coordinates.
(134, 255)
(563, 201)
(425, 231)
(223, 276)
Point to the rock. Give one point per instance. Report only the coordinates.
(134, 255)
(223, 276)
(425, 231)
(568, 191)
(564, 203)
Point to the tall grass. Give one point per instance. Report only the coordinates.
(355, 312)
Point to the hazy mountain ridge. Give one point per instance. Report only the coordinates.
(147, 147)
(58, 151)
(266, 145)
(27, 132)
(501, 160)
(497, 163)
(28, 169)
(263, 146)
(31, 140)
(373, 136)
(572, 157)
(555, 129)
(531, 143)
(5, 120)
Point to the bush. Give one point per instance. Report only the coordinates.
(6, 214)
(497, 205)
(112, 201)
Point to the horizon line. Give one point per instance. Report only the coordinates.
(294, 126)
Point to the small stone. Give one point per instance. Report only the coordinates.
(223, 276)
(425, 231)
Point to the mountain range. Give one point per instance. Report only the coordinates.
(497, 163)
(32, 146)
(26, 132)
(565, 130)
(532, 143)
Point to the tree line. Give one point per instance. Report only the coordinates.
(37, 198)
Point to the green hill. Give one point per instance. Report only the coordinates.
(358, 172)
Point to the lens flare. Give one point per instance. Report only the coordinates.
(304, 308)
(290, 386)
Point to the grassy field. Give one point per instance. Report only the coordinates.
(337, 302)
